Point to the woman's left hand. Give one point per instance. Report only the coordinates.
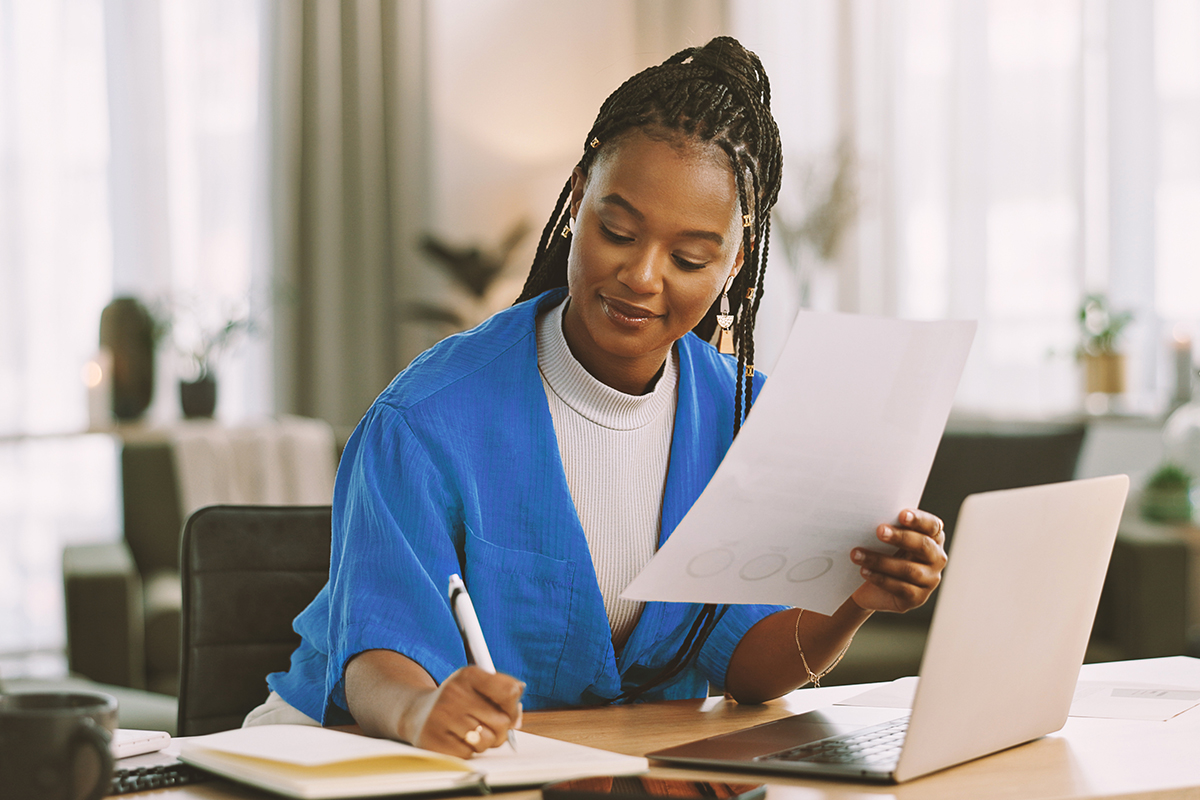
(904, 579)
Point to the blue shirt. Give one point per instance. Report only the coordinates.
(455, 469)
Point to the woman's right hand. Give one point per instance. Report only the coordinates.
(392, 697)
(470, 712)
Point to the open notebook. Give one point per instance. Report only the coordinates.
(309, 762)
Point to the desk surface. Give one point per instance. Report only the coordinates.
(1087, 758)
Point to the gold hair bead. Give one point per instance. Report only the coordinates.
(566, 231)
(750, 292)
(746, 221)
(749, 370)
(595, 142)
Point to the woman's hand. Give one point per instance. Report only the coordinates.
(904, 579)
(391, 696)
(470, 712)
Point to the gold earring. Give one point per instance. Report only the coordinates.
(725, 320)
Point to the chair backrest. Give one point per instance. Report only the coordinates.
(247, 572)
(992, 456)
(999, 456)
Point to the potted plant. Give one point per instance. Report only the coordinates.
(830, 202)
(1100, 329)
(1167, 496)
(200, 338)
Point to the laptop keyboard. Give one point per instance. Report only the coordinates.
(877, 746)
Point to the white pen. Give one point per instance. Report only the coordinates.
(468, 626)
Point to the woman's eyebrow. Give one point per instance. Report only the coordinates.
(615, 199)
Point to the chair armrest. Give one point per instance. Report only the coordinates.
(1144, 604)
(105, 628)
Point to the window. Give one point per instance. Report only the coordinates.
(1012, 156)
(129, 164)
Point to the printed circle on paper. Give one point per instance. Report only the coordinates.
(710, 562)
(810, 569)
(763, 566)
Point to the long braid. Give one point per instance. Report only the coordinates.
(718, 93)
(756, 270)
(537, 275)
(737, 307)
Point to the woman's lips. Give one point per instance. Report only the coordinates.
(626, 314)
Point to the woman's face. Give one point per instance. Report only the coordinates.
(657, 234)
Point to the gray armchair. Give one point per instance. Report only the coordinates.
(123, 599)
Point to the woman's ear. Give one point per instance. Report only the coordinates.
(738, 260)
(578, 183)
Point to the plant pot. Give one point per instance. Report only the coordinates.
(1105, 372)
(198, 398)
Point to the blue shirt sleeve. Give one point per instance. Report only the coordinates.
(394, 545)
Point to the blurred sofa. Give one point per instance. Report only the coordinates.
(123, 598)
(1143, 603)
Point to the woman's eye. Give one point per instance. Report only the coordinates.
(685, 264)
(613, 236)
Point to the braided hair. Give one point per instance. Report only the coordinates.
(718, 94)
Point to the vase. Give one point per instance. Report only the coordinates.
(198, 398)
(127, 330)
(1181, 443)
(1105, 372)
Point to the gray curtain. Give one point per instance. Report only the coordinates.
(351, 197)
(347, 140)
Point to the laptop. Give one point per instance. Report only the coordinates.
(1015, 611)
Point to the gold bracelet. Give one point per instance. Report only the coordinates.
(815, 679)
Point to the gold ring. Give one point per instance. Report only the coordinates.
(475, 736)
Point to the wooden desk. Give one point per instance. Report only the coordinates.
(1087, 758)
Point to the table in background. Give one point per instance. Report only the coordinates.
(1132, 524)
(1087, 758)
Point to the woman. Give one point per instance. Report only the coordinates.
(545, 454)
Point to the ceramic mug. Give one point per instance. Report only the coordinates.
(55, 745)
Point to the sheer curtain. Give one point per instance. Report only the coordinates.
(129, 164)
(188, 183)
(1011, 156)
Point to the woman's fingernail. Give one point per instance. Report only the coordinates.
(907, 517)
(866, 573)
(856, 556)
(887, 534)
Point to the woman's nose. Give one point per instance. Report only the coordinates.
(643, 272)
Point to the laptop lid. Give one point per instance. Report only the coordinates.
(1013, 620)
(1004, 649)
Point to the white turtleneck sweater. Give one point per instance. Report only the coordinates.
(615, 449)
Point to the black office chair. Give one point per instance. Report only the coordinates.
(247, 571)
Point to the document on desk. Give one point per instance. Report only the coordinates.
(841, 438)
(1104, 699)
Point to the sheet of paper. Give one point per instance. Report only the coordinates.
(896, 694)
(1107, 699)
(1132, 700)
(840, 439)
